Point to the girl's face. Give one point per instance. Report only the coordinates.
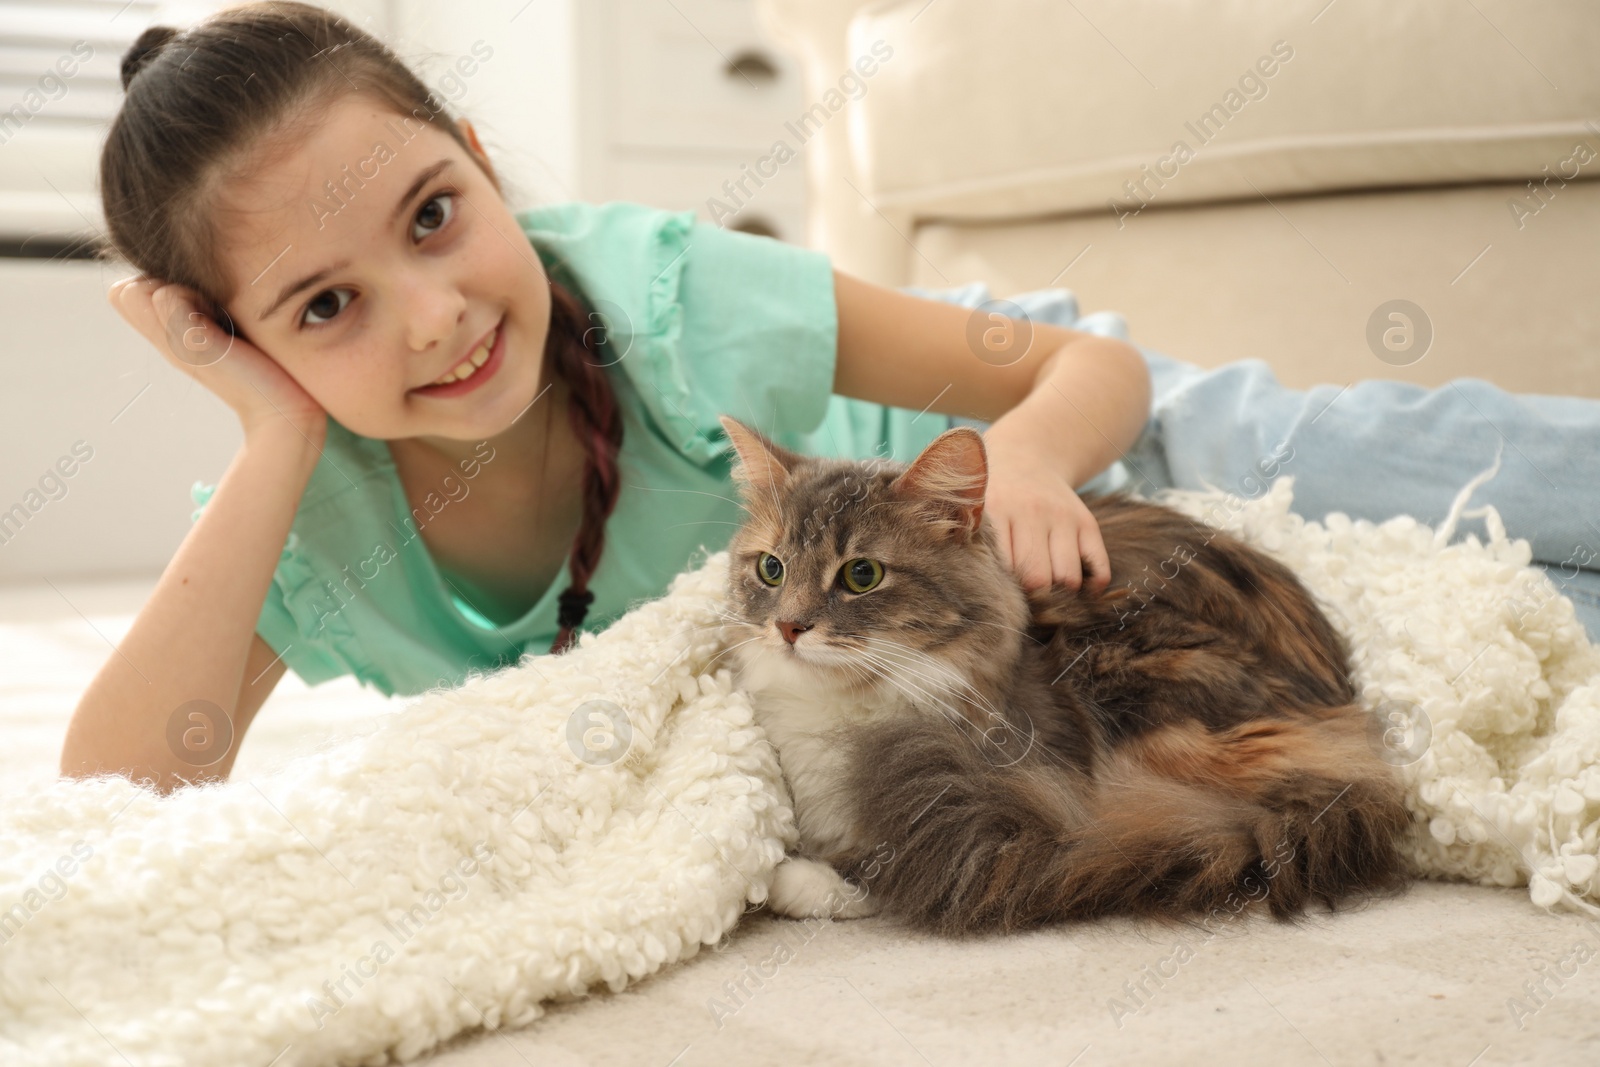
(372, 255)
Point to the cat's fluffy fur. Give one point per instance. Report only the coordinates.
(967, 756)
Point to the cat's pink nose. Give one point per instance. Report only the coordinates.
(791, 630)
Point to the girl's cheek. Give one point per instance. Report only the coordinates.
(501, 261)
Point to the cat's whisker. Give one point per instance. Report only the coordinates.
(694, 492)
(954, 678)
(892, 671)
(858, 670)
(705, 522)
(916, 696)
(931, 699)
(727, 621)
(730, 648)
(992, 713)
(977, 698)
(938, 695)
(932, 702)
(837, 656)
(975, 695)
(1003, 626)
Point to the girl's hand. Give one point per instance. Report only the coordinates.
(248, 380)
(1046, 533)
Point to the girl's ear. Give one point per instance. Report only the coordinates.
(477, 150)
(220, 316)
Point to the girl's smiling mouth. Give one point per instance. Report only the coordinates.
(479, 366)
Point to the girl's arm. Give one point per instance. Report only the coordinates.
(1063, 407)
(195, 636)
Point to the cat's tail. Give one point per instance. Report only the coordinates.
(1182, 822)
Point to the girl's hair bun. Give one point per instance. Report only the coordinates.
(141, 51)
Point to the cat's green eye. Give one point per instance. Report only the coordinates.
(770, 569)
(861, 574)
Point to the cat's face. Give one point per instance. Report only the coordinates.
(861, 573)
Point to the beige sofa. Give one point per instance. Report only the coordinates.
(1331, 161)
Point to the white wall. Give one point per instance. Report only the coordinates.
(75, 372)
(521, 99)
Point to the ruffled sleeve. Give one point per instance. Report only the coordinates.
(741, 325)
(200, 493)
(276, 624)
(703, 321)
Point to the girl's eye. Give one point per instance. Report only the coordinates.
(433, 214)
(861, 575)
(325, 305)
(769, 568)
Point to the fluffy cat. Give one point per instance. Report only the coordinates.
(966, 756)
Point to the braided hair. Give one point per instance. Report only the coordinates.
(597, 424)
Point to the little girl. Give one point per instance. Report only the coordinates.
(469, 432)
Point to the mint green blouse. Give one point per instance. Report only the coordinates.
(700, 321)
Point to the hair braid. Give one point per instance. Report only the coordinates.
(597, 423)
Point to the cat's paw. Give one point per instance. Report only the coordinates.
(810, 889)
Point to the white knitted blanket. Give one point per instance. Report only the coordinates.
(572, 820)
(487, 848)
(1484, 685)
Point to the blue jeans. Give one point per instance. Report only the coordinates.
(1373, 450)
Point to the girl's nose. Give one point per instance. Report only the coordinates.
(431, 313)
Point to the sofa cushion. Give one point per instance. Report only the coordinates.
(1301, 283)
(1226, 101)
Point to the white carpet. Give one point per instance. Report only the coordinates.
(1441, 975)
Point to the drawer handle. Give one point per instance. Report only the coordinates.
(759, 225)
(752, 65)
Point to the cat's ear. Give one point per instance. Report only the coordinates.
(764, 466)
(951, 474)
